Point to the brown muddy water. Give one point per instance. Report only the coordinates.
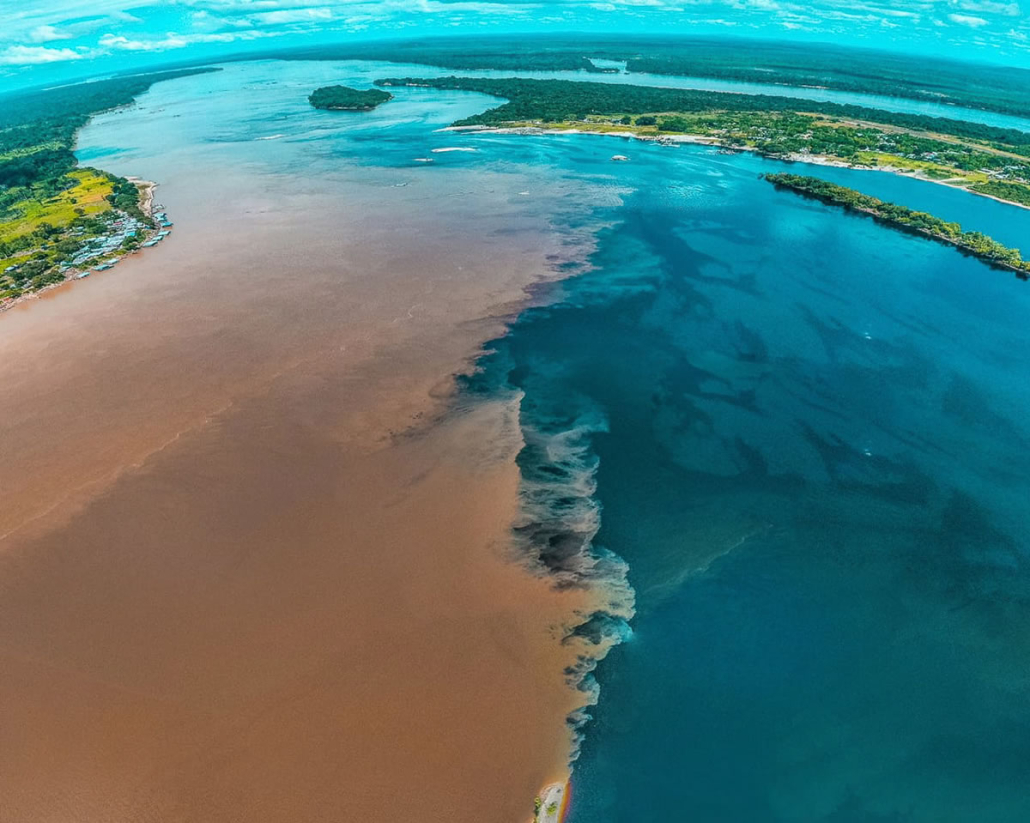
(255, 557)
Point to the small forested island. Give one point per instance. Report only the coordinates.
(983, 159)
(973, 243)
(344, 98)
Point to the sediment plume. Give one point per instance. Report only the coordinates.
(256, 555)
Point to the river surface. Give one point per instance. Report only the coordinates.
(806, 438)
(262, 557)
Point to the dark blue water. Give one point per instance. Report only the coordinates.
(810, 444)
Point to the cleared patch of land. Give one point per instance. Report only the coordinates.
(88, 195)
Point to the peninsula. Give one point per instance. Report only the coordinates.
(973, 243)
(344, 98)
(985, 160)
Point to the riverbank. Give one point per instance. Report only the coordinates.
(128, 236)
(146, 190)
(702, 140)
(974, 244)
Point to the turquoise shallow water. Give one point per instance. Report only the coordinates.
(809, 443)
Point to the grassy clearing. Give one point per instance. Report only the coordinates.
(937, 171)
(88, 197)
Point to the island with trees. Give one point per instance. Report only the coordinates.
(974, 243)
(57, 220)
(987, 160)
(344, 98)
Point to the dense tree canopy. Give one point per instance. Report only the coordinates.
(919, 77)
(344, 98)
(557, 100)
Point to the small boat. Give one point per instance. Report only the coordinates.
(619, 158)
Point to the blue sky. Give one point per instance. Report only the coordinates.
(48, 40)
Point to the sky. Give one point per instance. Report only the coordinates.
(43, 41)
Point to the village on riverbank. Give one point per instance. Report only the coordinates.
(60, 220)
(82, 246)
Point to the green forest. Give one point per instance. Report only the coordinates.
(981, 86)
(975, 243)
(344, 98)
(558, 100)
(501, 53)
(933, 79)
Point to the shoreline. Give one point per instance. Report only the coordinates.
(552, 803)
(146, 189)
(897, 225)
(715, 142)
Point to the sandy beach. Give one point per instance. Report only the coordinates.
(552, 803)
(147, 188)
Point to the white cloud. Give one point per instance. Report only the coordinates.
(65, 29)
(48, 34)
(172, 40)
(967, 20)
(284, 16)
(989, 7)
(164, 25)
(36, 55)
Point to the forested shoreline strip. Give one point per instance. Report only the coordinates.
(938, 80)
(558, 100)
(981, 159)
(973, 243)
